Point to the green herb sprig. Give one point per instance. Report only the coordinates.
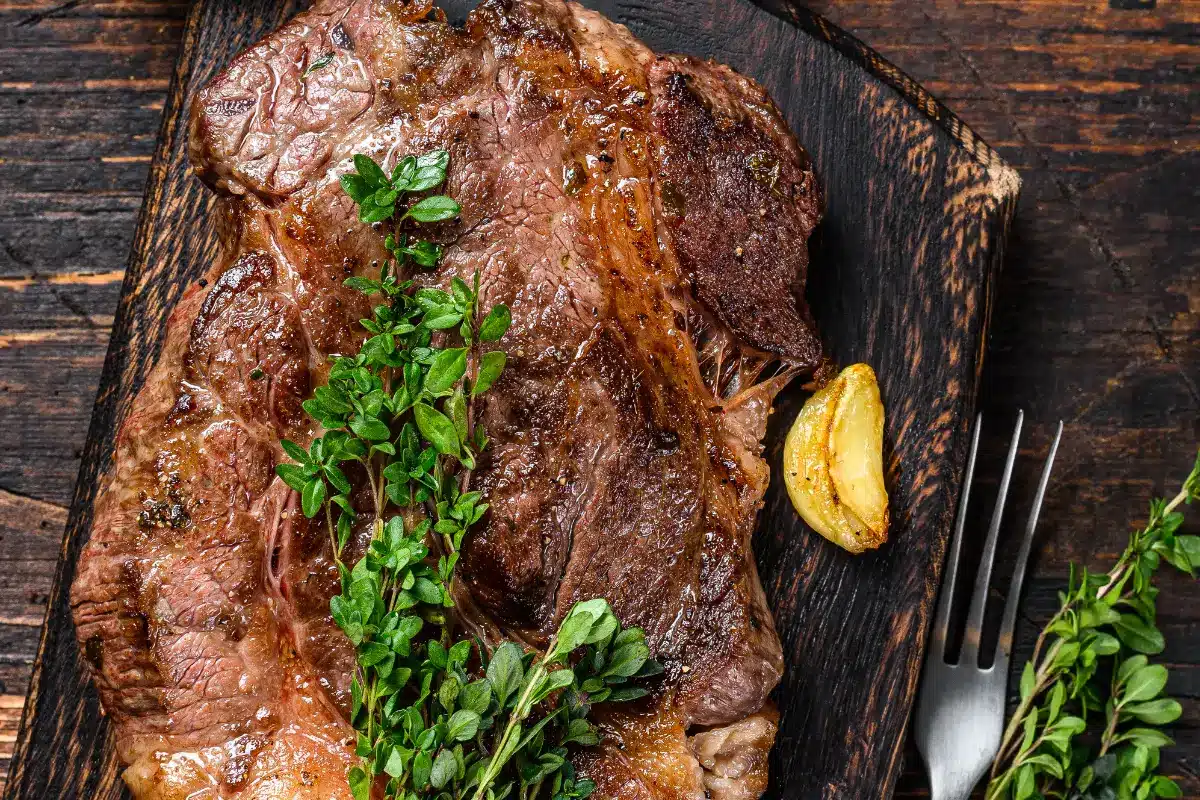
(378, 195)
(437, 717)
(1091, 663)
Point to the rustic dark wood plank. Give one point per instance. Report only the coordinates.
(73, 755)
(60, 273)
(1098, 90)
(61, 267)
(1096, 321)
(74, 156)
(45, 418)
(30, 541)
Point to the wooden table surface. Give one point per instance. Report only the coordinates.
(1097, 321)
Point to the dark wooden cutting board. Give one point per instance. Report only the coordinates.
(903, 273)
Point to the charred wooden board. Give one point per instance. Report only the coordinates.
(917, 213)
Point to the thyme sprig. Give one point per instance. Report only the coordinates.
(1091, 664)
(437, 717)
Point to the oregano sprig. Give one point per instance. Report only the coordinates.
(1091, 674)
(437, 717)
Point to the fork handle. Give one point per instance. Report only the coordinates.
(957, 785)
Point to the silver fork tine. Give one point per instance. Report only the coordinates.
(941, 623)
(970, 648)
(1009, 621)
(959, 720)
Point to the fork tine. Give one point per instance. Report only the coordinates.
(941, 623)
(970, 648)
(1009, 621)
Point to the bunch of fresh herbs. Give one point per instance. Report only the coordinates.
(436, 717)
(1087, 726)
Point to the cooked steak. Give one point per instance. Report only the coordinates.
(645, 219)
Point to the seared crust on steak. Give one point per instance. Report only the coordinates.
(644, 218)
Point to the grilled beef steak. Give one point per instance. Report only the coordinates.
(645, 219)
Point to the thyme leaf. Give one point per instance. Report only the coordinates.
(1086, 726)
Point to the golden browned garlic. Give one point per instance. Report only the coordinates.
(833, 462)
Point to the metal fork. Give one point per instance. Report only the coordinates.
(960, 715)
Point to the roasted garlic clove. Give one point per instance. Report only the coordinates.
(833, 462)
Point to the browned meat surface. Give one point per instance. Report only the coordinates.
(645, 219)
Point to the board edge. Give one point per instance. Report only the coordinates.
(83, 496)
(1004, 182)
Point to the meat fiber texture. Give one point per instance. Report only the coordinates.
(644, 217)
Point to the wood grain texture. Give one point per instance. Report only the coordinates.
(64, 737)
(81, 94)
(1098, 308)
(1098, 318)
